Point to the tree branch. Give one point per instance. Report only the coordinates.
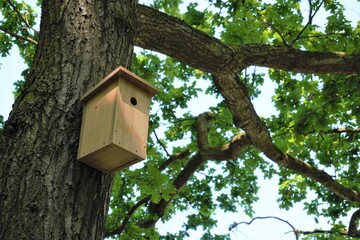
(119, 230)
(256, 218)
(5, 30)
(127, 218)
(161, 144)
(173, 37)
(310, 19)
(245, 117)
(296, 231)
(342, 130)
(278, 32)
(204, 52)
(267, 217)
(227, 151)
(318, 231)
(354, 224)
(169, 35)
(173, 158)
(21, 16)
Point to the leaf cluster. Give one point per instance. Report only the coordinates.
(17, 28)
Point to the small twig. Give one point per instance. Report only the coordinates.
(310, 19)
(353, 231)
(161, 144)
(18, 36)
(334, 131)
(342, 130)
(173, 158)
(278, 32)
(255, 218)
(294, 230)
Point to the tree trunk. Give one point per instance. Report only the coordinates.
(45, 192)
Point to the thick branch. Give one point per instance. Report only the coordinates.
(245, 117)
(228, 151)
(293, 60)
(354, 224)
(202, 129)
(173, 37)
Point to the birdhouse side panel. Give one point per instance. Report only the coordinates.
(98, 121)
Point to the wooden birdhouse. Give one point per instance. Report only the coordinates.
(115, 121)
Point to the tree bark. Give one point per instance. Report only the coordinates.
(199, 50)
(45, 192)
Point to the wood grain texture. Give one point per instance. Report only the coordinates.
(115, 122)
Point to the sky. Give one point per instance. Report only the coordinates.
(12, 66)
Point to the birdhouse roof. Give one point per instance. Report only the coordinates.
(125, 74)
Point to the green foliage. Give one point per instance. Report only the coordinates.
(12, 22)
(168, 6)
(309, 108)
(18, 19)
(243, 23)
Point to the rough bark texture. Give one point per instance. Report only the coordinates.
(171, 36)
(45, 192)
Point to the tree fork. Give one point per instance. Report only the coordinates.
(211, 55)
(228, 61)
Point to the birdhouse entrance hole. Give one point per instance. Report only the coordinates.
(133, 101)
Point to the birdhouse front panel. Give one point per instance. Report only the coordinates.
(115, 121)
(131, 127)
